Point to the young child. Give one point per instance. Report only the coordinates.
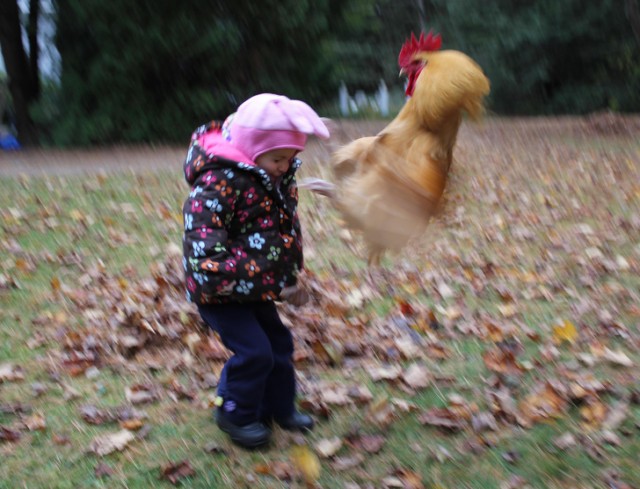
(242, 252)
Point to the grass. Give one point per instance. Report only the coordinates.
(516, 202)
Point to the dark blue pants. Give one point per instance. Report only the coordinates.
(258, 381)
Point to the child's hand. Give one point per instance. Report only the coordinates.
(294, 295)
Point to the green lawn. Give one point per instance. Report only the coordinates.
(541, 228)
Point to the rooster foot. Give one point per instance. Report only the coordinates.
(318, 185)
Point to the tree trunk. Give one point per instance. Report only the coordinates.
(15, 59)
(421, 15)
(633, 14)
(34, 48)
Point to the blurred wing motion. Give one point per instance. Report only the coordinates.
(388, 186)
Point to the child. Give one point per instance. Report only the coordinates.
(243, 250)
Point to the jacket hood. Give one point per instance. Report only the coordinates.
(213, 150)
(211, 147)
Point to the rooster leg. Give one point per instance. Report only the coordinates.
(375, 257)
(373, 266)
(319, 186)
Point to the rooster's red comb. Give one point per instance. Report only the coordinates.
(430, 42)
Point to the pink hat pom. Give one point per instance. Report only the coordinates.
(266, 122)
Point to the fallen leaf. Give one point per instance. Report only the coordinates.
(60, 440)
(215, 447)
(360, 394)
(565, 441)
(306, 462)
(279, 469)
(140, 394)
(617, 357)
(10, 372)
(565, 331)
(442, 418)
(616, 416)
(106, 444)
(408, 479)
(132, 424)
(102, 470)
(388, 372)
(417, 376)
(7, 434)
(593, 414)
(547, 400)
(502, 361)
(328, 447)
(484, 421)
(35, 422)
(347, 463)
(176, 472)
(610, 438)
(381, 413)
(367, 443)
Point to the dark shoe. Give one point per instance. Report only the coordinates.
(296, 422)
(252, 435)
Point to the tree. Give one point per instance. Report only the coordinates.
(633, 14)
(151, 70)
(22, 70)
(548, 57)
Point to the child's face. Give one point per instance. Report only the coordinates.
(276, 162)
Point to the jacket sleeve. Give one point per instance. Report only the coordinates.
(208, 211)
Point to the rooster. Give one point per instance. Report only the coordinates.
(388, 186)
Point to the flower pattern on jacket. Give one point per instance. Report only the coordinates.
(242, 238)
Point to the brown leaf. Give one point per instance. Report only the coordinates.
(547, 400)
(484, 421)
(360, 394)
(502, 361)
(77, 363)
(92, 415)
(381, 413)
(347, 463)
(141, 394)
(442, 418)
(407, 478)
(593, 414)
(7, 434)
(180, 391)
(35, 422)
(102, 471)
(60, 440)
(55, 284)
(132, 424)
(389, 372)
(367, 443)
(335, 395)
(176, 472)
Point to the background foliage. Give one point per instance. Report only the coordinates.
(151, 71)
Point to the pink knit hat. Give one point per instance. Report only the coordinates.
(266, 122)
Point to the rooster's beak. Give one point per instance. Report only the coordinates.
(402, 72)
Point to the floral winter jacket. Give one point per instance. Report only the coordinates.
(242, 239)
